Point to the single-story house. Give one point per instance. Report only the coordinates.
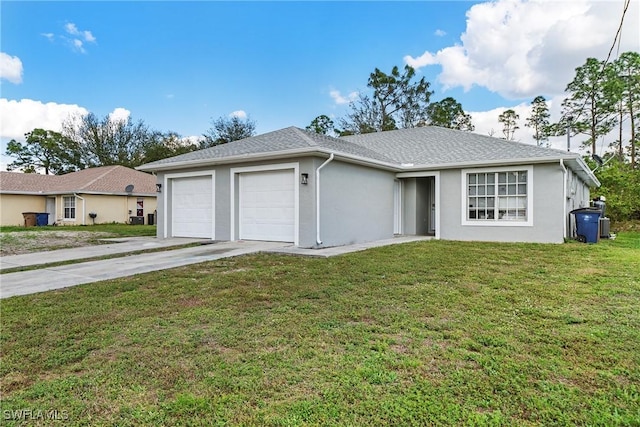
(316, 191)
(91, 196)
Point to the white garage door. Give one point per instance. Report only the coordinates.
(192, 207)
(267, 206)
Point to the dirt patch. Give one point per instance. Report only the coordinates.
(23, 242)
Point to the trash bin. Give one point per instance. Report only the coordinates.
(150, 219)
(29, 219)
(42, 219)
(587, 224)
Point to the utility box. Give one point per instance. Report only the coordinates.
(136, 220)
(605, 228)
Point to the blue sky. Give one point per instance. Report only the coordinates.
(177, 65)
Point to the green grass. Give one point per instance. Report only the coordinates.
(115, 229)
(428, 333)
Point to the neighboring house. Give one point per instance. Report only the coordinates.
(316, 191)
(112, 193)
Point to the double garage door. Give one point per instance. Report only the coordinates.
(266, 206)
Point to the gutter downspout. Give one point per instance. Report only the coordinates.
(329, 160)
(564, 199)
(83, 206)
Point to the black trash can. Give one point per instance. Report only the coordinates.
(42, 219)
(150, 219)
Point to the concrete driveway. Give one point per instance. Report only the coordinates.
(46, 279)
(49, 278)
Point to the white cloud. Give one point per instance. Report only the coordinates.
(339, 99)
(80, 37)
(119, 115)
(440, 33)
(521, 48)
(26, 115)
(486, 123)
(77, 45)
(239, 114)
(10, 68)
(88, 36)
(71, 29)
(48, 36)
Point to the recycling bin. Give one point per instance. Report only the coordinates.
(587, 224)
(42, 219)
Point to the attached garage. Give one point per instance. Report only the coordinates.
(192, 207)
(267, 205)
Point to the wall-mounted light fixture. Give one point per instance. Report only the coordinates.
(158, 188)
(304, 178)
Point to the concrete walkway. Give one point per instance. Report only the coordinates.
(45, 279)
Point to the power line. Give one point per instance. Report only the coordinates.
(616, 40)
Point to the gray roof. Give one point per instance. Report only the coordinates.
(432, 145)
(279, 141)
(429, 147)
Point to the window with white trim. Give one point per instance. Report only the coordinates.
(69, 203)
(494, 196)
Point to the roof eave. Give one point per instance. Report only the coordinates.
(307, 151)
(476, 164)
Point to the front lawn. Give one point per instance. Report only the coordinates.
(116, 229)
(428, 333)
(20, 240)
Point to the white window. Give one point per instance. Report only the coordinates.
(497, 196)
(69, 207)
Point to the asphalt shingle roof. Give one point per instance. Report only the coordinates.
(424, 146)
(105, 180)
(287, 139)
(402, 150)
(433, 145)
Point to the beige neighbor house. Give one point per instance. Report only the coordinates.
(91, 196)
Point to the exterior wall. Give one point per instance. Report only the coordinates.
(578, 196)
(12, 206)
(356, 204)
(548, 210)
(109, 209)
(224, 199)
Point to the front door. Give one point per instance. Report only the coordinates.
(51, 210)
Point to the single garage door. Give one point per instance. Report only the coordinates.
(267, 206)
(192, 207)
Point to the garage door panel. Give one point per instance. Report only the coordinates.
(267, 206)
(192, 207)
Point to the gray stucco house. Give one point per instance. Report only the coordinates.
(315, 191)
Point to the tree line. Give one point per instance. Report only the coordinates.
(90, 141)
(602, 97)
